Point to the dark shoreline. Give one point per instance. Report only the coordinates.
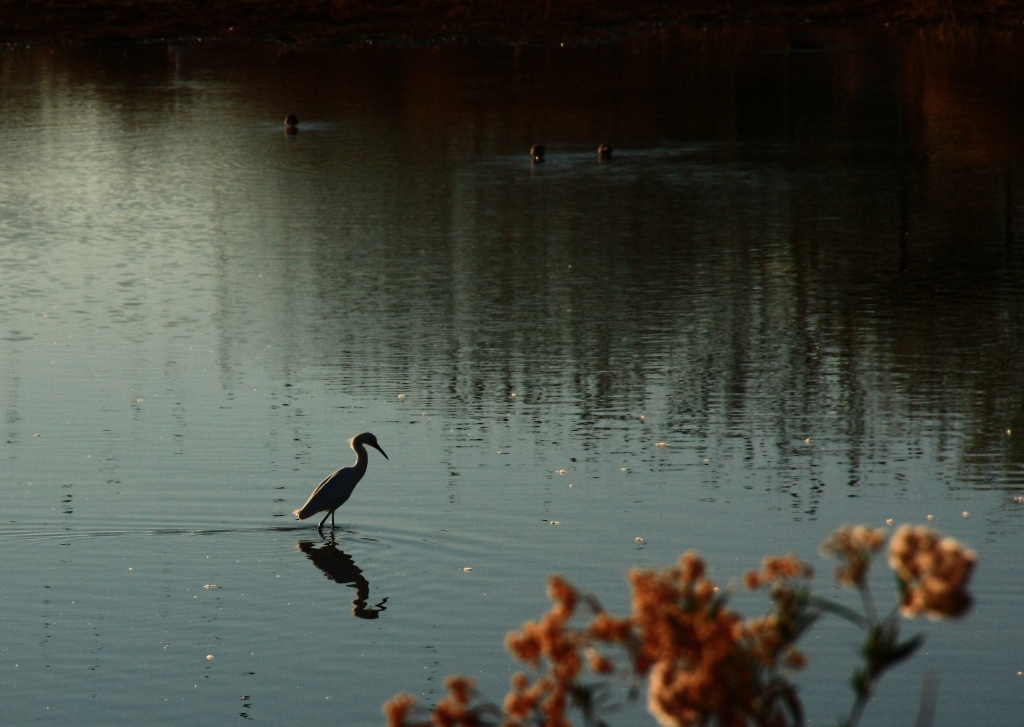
(431, 22)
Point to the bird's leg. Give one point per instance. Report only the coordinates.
(332, 521)
(320, 526)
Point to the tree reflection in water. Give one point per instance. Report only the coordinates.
(339, 567)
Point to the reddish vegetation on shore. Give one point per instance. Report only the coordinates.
(345, 22)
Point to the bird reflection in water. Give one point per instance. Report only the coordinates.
(339, 567)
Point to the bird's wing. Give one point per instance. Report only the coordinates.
(324, 481)
(314, 504)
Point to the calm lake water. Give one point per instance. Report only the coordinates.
(793, 299)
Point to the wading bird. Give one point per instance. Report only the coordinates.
(337, 486)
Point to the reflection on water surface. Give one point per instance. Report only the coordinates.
(339, 567)
(799, 273)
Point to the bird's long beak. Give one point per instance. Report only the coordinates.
(377, 447)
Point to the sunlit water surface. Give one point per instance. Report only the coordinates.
(792, 299)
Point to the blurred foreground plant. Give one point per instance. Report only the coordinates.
(704, 664)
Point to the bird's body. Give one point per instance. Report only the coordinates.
(337, 487)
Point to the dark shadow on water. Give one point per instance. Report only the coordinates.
(339, 567)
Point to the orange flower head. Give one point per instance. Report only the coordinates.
(776, 568)
(599, 664)
(524, 646)
(397, 709)
(523, 698)
(562, 593)
(752, 580)
(933, 572)
(853, 546)
(691, 567)
(608, 628)
(795, 659)
(460, 688)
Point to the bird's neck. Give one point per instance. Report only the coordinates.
(361, 457)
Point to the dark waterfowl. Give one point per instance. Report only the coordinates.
(337, 487)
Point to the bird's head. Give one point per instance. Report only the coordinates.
(368, 440)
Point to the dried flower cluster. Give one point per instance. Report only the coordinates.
(793, 615)
(854, 546)
(703, 662)
(933, 572)
(455, 710)
(778, 569)
(550, 639)
(706, 664)
(398, 709)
